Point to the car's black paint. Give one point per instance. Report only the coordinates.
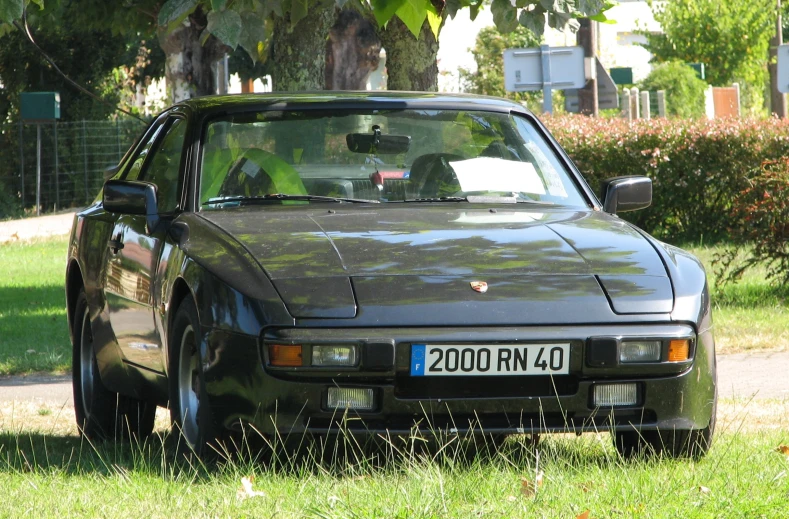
(385, 276)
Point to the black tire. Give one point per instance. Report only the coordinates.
(680, 443)
(102, 414)
(189, 410)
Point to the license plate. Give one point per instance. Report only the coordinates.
(448, 360)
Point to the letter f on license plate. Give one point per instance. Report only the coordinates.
(493, 359)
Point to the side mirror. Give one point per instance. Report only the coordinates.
(132, 197)
(621, 194)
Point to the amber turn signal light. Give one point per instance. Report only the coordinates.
(285, 354)
(678, 350)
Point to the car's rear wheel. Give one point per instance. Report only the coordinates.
(188, 398)
(679, 443)
(102, 414)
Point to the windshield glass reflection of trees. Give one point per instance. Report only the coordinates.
(383, 155)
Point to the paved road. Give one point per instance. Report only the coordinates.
(755, 375)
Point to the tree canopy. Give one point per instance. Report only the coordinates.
(244, 22)
(731, 38)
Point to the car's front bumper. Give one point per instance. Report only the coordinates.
(244, 388)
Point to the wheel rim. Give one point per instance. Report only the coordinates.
(188, 386)
(86, 364)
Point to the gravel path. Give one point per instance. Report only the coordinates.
(40, 226)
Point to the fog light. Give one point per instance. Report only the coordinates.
(639, 351)
(608, 395)
(333, 355)
(678, 350)
(285, 354)
(350, 398)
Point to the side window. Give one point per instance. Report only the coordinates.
(163, 169)
(133, 170)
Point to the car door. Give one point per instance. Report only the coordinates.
(134, 251)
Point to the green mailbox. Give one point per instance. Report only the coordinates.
(622, 75)
(699, 68)
(40, 106)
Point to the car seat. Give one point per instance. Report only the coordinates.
(432, 176)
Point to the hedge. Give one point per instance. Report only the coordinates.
(698, 167)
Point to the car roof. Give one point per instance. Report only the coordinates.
(350, 100)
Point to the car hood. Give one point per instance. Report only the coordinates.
(313, 255)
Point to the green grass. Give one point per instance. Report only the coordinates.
(33, 330)
(66, 477)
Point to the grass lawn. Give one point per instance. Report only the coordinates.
(748, 316)
(33, 330)
(45, 467)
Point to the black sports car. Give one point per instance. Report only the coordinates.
(398, 262)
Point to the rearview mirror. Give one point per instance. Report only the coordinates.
(131, 197)
(378, 143)
(621, 194)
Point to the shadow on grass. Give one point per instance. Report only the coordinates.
(33, 329)
(334, 456)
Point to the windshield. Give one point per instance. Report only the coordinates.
(383, 156)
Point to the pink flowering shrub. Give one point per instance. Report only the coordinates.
(698, 167)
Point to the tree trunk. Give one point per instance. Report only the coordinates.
(352, 52)
(410, 63)
(299, 56)
(189, 65)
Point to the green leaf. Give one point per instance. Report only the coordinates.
(504, 15)
(602, 18)
(174, 11)
(298, 10)
(11, 10)
(253, 34)
(225, 25)
(218, 5)
(383, 10)
(434, 20)
(474, 11)
(558, 20)
(413, 14)
(593, 7)
(534, 20)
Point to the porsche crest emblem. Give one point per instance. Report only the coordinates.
(479, 286)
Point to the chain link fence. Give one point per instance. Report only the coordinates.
(74, 158)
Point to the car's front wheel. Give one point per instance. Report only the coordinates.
(102, 414)
(188, 413)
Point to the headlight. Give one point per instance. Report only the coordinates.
(333, 355)
(639, 351)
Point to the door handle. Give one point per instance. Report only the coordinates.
(115, 244)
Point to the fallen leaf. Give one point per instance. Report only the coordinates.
(586, 487)
(246, 491)
(783, 449)
(584, 515)
(529, 488)
(15, 236)
(703, 489)
(511, 498)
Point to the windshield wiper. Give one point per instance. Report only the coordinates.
(437, 199)
(282, 196)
